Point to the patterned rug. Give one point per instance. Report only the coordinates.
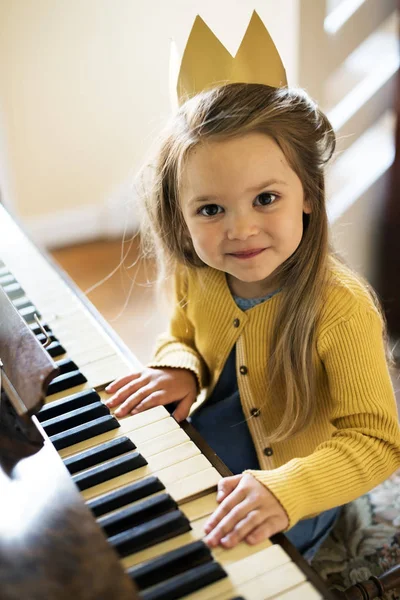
(365, 540)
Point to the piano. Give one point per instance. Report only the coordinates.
(93, 507)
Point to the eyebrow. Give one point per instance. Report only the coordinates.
(256, 188)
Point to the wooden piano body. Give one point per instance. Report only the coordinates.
(96, 508)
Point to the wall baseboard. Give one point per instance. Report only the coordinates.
(83, 224)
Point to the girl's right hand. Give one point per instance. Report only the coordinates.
(153, 387)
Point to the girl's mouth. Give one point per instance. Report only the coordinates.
(248, 253)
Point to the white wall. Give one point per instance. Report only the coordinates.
(84, 90)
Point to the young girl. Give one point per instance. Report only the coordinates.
(287, 343)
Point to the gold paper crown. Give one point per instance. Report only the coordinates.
(207, 63)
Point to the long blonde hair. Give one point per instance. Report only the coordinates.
(307, 140)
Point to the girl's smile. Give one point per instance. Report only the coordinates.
(245, 254)
(243, 205)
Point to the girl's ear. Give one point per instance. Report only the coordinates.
(307, 206)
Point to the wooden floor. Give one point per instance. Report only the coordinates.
(125, 299)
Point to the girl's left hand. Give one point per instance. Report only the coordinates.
(248, 511)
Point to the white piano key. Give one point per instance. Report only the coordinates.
(160, 444)
(271, 583)
(222, 555)
(65, 393)
(102, 372)
(156, 422)
(175, 472)
(176, 441)
(196, 533)
(200, 508)
(156, 463)
(276, 578)
(304, 591)
(207, 478)
(194, 485)
(99, 372)
(245, 566)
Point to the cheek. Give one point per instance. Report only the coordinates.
(201, 240)
(289, 230)
(203, 237)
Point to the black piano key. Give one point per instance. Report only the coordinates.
(6, 279)
(94, 456)
(186, 583)
(84, 432)
(65, 382)
(66, 366)
(36, 329)
(170, 564)
(55, 349)
(153, 532)
(43, 338)
(74, 418)
(28, 313)
(125, 495)
(109, 470)
(72, 402)
(14, 290)
(140, 512)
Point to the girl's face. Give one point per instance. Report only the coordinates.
(243, 206)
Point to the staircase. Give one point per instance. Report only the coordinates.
(348, 62)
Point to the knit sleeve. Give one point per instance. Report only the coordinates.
(177, 347)
(365, 446)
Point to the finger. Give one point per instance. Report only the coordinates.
(157, 398)
(227, 485)
(118, 383)
(226, 506)
(182, 410)
(240, 514)
(126, 392)
(245, 527)
(133, 400)
(263, 532)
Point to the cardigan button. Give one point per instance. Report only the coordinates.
(268, 451)
(243, 370)
(255, 412)
(236, 322)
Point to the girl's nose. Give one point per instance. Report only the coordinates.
(242, 227)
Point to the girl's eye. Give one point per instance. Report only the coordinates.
(210, 210)
(266, 198)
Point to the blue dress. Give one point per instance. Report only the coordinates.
(221, 422)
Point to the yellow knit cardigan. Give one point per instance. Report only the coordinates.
(353, 442)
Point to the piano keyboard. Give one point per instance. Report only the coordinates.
(148, 485)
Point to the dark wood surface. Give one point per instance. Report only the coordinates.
(374, 587)
(50, 545)
(388, 272)
(25, 362)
